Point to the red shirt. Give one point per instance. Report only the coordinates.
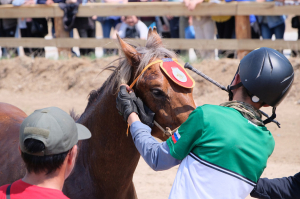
(23, 190)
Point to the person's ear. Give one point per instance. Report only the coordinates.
(236, 80)
(70, 159)
(72, 155)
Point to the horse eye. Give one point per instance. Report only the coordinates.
(158, 93)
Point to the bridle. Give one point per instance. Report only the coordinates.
(167, 131)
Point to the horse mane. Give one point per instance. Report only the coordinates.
(74, 115)
(122, 73)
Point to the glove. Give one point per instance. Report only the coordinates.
(125, 103)
(145, 114)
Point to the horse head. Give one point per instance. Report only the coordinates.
(171, 102)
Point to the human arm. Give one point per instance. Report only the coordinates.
(279, 188)
(154, 153)
(179, 145)
(122, 30)
(191, 4)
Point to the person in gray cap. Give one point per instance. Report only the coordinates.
(48, 139)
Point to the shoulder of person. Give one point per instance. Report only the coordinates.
(206, 107)
(141, 24)
(123, 26)
(208, 110)
(3, 191)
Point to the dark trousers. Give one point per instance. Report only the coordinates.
(12, 51)
(107, 24)
(35, 52)
(86, 33)
(226, 30)
(174, 29)
(296, 53)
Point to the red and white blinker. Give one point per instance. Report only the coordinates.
(177, 73)
(174, 70)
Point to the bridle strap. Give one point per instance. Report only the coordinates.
(136, 79)
(166, 131)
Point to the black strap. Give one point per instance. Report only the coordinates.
(8, 192)
(271, 119)
(230, 88)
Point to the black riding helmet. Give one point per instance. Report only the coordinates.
(267, 75)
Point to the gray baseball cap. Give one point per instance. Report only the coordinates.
(55, 128)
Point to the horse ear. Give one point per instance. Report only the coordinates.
(153, 33)
(149, 32)
(132, 55)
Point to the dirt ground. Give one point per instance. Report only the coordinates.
(31, 84)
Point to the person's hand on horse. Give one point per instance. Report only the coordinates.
(128, 103)
(125, 101)
(145, 114)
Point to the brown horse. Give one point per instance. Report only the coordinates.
(12, 168)
(106, 162)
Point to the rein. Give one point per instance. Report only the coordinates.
(166, 131)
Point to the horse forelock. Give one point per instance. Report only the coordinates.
(122, 73)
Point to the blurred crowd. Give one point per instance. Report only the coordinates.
(198, 27)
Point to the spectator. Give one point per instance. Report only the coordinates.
(270, 25)
(204, 28)
(146, 20)
(255, 29)
(108, 23)
(36, 27)
(189, 32)
(2, 35)
(132, 27)
(174, 26)
(225, 29)
(185, 23)
(50, 2)
(84, 25)
(296, 24)
(9, 27)
(163, 27)
(86, 29)
(48, 139)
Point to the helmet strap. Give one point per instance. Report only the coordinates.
(273, 116)
(230, 88)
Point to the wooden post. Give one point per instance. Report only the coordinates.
(242, 31)
(61, 33)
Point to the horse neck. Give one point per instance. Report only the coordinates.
(109, 155)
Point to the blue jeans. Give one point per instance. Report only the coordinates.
(174, 27)
(107, 24)
(267, 32)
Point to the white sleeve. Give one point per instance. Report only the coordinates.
(122, 30)
(143, 29)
